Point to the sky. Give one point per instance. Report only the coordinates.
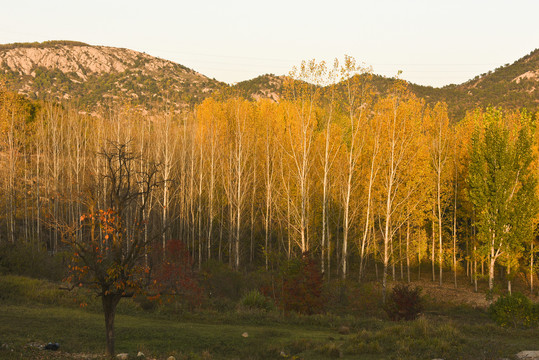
(433, 42)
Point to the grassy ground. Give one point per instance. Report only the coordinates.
(29, 315)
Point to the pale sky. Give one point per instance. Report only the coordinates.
(433, 42)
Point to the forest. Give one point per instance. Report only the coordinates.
(371, 187)
(353, 178)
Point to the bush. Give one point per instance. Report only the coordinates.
(220, 281)
(404, 303)
(174, 278)
(302, 286)
(514, 310)
(255, 300)
(31, 260)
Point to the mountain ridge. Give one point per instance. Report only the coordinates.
(65, 70)
(93, 75)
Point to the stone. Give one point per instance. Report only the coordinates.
(344, 330)
(528, 355)
(122, 356)
(52, 346)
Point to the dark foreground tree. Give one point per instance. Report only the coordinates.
(111, 241)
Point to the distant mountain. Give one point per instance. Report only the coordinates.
(266, 86)
(98, 75)
(511, 86)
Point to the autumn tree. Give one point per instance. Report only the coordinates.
(108, 256)
(400, 115)
(302, 93)
(356, 99)
(439, 152)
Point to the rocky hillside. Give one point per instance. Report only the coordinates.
(266, 86)
(97, 75)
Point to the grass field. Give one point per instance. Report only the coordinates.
(448, 332)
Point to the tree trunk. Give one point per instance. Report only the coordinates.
(491, 272)
(110, 302)
(440, 249)
(509, 278)
(408, 249)
(475, 268)
(531, 269)
(432, 251)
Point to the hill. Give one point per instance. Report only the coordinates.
(98, 75)
(511, 86)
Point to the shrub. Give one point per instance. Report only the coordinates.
(404, 303)
(302, 286)
(174, 278)
(514, 310)
(31, 260)
(220, 281)
(255, 300)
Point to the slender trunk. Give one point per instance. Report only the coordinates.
(328, 254)
(531, 268)
(367, 225)
(455, 227)
(210, 202)
(475, 267)
(387, 240)
(492, 262)
(440, 249)
(253, 199)
(325, 194)
(400, 256)
(393, 262)
(199, 210)
(408, 249)
(267, 230)
(509, 278)
(418, 260)
(221, 226)
(346, 226)
(288, 234)
(433, 250)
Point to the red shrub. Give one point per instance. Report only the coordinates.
(302, 286)
(174, 275)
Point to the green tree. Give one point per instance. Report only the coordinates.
(501, 185)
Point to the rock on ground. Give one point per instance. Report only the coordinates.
(528, 355)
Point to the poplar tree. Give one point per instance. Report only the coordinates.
(501, 185)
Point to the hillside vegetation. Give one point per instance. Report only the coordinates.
(93, 76)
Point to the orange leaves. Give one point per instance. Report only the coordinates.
(154, 297)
